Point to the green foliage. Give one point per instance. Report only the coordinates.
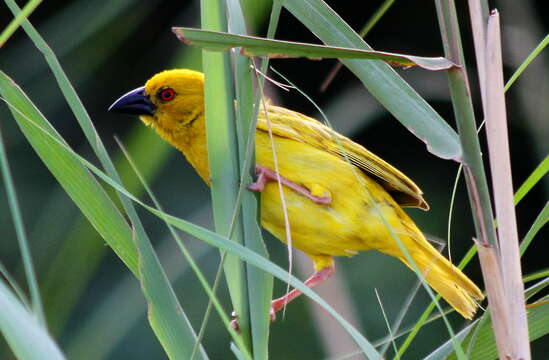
(175, 308)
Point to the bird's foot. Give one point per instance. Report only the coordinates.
(234, 322)
(264, 175)
(236, 326)
(278, 304)
(272, 314)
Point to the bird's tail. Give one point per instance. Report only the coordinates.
(456, 288)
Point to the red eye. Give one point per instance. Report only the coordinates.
(166, 94)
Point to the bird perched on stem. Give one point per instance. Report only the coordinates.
(340, 197)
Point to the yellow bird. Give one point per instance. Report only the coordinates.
(340, 196)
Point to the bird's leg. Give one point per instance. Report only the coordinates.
(315, 279)
(234, 322)
(264, 175)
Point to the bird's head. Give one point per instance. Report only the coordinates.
(168, 102)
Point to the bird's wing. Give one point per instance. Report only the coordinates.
(298, 127)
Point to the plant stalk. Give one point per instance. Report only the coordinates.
(500, 163)
(473, 167)
(223, 156)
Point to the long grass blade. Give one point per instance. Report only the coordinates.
(167, 318)
(484, 346)
(260, 283)
(374, 19)
(15, 287)
(386, 323)
(21, 235)
(444, 350)
(540, 221)
(539, 286)
(16, 22)
(223, 159)
(218, 241)
(192, 263)
(381, 81)
(83, 189)
(255, 46)
(532, 180)
(527, 61)
(127, 302)
(27, 338)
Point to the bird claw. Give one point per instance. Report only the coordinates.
(272, 314)
(236, 326)
(234, 322)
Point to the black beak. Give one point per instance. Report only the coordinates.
(135, 102)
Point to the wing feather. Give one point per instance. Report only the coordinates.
(298, 127)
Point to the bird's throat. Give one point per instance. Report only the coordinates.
(190, 139)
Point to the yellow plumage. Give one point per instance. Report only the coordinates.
(364, 191)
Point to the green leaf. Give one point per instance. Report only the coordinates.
(83, 189)
(166, 316)
(540, 221)
(27, 339)
(445, 349)
(255, 46)
(222, 243)
(532, 180)
(380, 79)
(473, 250)
(24, 248)
(537, 287)
(484, 347)
(16, 22)
(260, 283)
(223, 158)
(527, 62)
(262, 263)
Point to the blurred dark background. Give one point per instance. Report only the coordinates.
(107, 48)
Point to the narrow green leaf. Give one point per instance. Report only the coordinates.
(16, 22)
(527, 62)
(445, 349)
(256, 46)
(21, 234)
(537, 275)
(484, 346)
(218, 241)
(536, 288)
(236, 352)
(26, 337)
(83, 189)
(266, 265)
(381, 81)
(202, 279)
(223, 157)
(470, 254)
(12, 283)
(539, 222)
(372, 21)
(126, 296)
(532, 180)
(166, 316)
(260, 283)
